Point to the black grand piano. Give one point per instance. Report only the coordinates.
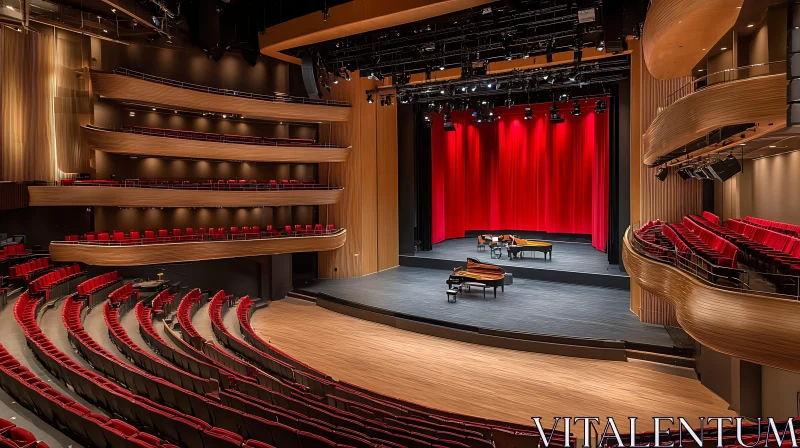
(488, 274)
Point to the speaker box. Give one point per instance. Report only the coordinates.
(310, 76)
(725, 169)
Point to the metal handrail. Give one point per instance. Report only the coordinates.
(727, 75)
(204, 186)
(204, 237)
(228, 92)
(673, 257)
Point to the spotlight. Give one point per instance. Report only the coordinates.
(369, 98)
(564, 97)
(474, 88)
(576, 108)
(509, 102)
(528, 113)
(383, 101)
(600, 107)
(441, 92)
(489, 85)
(555, 117)
(601, 45)
(347, 75)
(684, 173)
(662, 174)
(388, 100)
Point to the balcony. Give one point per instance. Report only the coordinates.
(135, 193)
(195, 145)
(723, 314)
(129, 85)
(691, 117)
(159, 250)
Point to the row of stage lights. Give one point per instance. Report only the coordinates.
(485, 114)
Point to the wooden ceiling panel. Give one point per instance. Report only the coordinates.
(678, 33)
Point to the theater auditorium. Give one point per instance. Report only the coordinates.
(386, 223)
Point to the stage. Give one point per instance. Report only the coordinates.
(579, 313)
(572, 262)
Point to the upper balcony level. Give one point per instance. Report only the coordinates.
(151, 247)
(129, 85)
(143, 141)
(735, 287)
(183, 193)
(717, 113)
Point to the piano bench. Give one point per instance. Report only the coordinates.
(452, 293)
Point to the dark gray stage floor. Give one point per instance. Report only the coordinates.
(567, 257)
(528, 306)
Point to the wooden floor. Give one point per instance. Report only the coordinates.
(472, 379)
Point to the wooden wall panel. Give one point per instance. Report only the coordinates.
(676, 32)
(760, 100)
(754, 328)
(191, 251)
(368, 208)
(72, 104)
(57, 196)
(27, 130)
(132, 89)
(388, 217)
(146, 145)
(650, 198)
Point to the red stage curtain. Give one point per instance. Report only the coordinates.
(517, 174)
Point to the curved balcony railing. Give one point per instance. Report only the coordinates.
(227, 92)
(725, 76)
(187, 185)
(707, 272)
(200, 237)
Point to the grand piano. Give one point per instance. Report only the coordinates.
(518, 246)
(477, 272)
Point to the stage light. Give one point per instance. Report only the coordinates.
(346, 75)
(576, 108)
(474, 88)
(545, 77)
(509, 101)
(662, 174)
(491, 113)
(489, 85)
(684, 173)
(601, 46)
(463, 89)
(388, 100)
(564, 97)
(555, 117)
(369, 98)
(528, 113)
(383, 101)
(600, 107)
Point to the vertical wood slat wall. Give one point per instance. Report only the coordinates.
(368, 208)
(27, 89)
(651, 198)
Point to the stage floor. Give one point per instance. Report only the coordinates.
(567, 257)
(527, 306)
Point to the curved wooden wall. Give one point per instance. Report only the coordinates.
(191, 251)
(676, 32)
(760, 100)
(755, 328)
(147, 145)
(128, 88)
(157, 197)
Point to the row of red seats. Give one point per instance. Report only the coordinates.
(98, 430)
(777, 249)
(714, 219)
(228, 138)
(12, 436)
(180, 358)
(231, 184)
(189, 234)
(46, 282)
(783, 227)
(149, 362)
(211, 424)
(123, 293)
(95, 284)
(26, 271)
(722, 251)
(233, 420)
(358, 400)
(11, 251)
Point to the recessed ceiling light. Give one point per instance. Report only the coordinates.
(772, 146)
(113, 10)
(750, 26)
(105, 31)
(724, 48)
(10, 7)
(154, 108)
(704, 49)
(701, 69)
